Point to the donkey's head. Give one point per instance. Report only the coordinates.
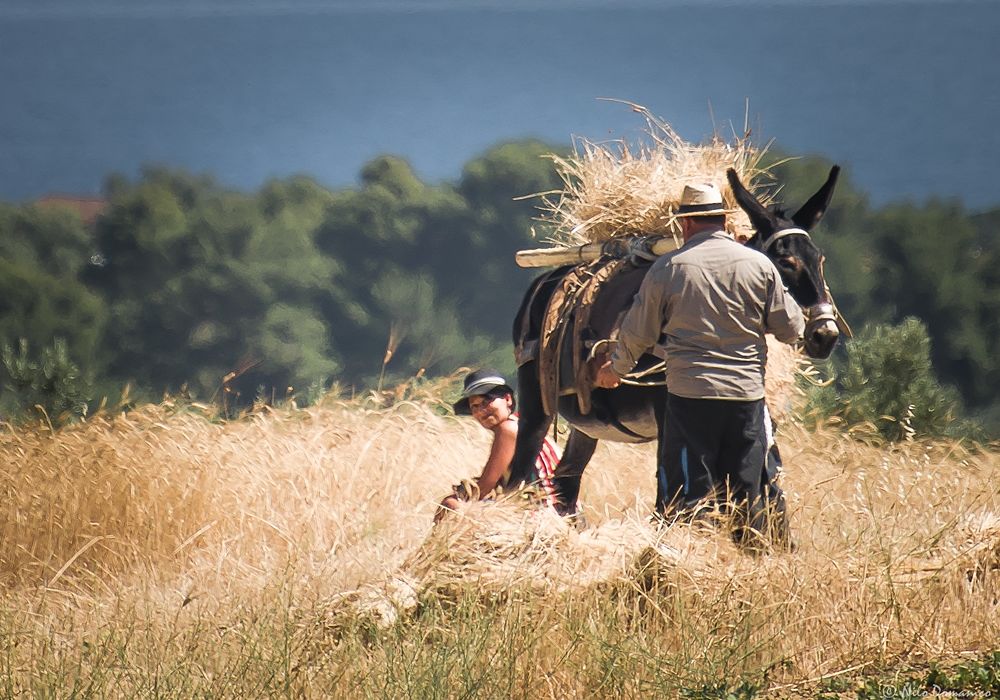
(785, 240)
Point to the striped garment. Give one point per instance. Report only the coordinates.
(545, 465)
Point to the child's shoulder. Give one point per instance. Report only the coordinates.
(509, 426)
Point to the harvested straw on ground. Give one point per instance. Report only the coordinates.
(510, 547)
(972, 548)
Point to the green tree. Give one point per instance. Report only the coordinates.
(170, 246)
(372, 233)
(396, 235)
(198, 281)
(498, 187)
(294, 345)
(427, 332)
(926, 266)
(44, 254)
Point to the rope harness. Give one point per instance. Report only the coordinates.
(632, 378)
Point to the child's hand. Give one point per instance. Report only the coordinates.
(448, 505)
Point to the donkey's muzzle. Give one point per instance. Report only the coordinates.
(821, 331)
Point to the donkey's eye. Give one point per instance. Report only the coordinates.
(788, 262)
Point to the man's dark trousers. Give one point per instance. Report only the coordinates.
(709, 445)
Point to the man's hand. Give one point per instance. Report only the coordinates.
(606, 377)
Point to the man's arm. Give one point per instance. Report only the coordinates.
(639, 331)
(784, 315)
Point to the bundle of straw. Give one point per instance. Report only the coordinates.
(616, 188)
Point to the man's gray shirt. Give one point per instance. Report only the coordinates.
(707, 306)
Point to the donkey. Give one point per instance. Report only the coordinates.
(634, 412)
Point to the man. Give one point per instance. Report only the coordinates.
(709, 305)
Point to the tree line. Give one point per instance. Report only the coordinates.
(181, 282)
(182, 285)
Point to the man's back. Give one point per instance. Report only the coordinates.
(714, 300)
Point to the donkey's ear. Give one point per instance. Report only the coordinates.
(813, 210)
(760, 218)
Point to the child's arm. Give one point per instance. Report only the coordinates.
(501, 454)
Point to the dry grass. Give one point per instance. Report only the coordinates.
(277, 546)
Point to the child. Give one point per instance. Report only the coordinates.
(488, 398)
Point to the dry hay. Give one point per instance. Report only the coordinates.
(971, 548)
(211, 503)
(870, 520)
(494, 550)
(511, 545)
(618, 188)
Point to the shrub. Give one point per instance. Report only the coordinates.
(50, 383)
(884, 377)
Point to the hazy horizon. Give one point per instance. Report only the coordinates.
(54, 9)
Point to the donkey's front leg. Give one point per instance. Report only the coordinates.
(569, 472)
(532, 425)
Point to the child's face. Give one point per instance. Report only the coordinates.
(490, 412)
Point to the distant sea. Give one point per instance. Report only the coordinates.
(906, 96)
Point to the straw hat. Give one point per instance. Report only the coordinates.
(700, 200)
(478, 383)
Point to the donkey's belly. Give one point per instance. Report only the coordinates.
(618, 421)
(637, 432)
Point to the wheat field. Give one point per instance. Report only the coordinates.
(290, 553)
